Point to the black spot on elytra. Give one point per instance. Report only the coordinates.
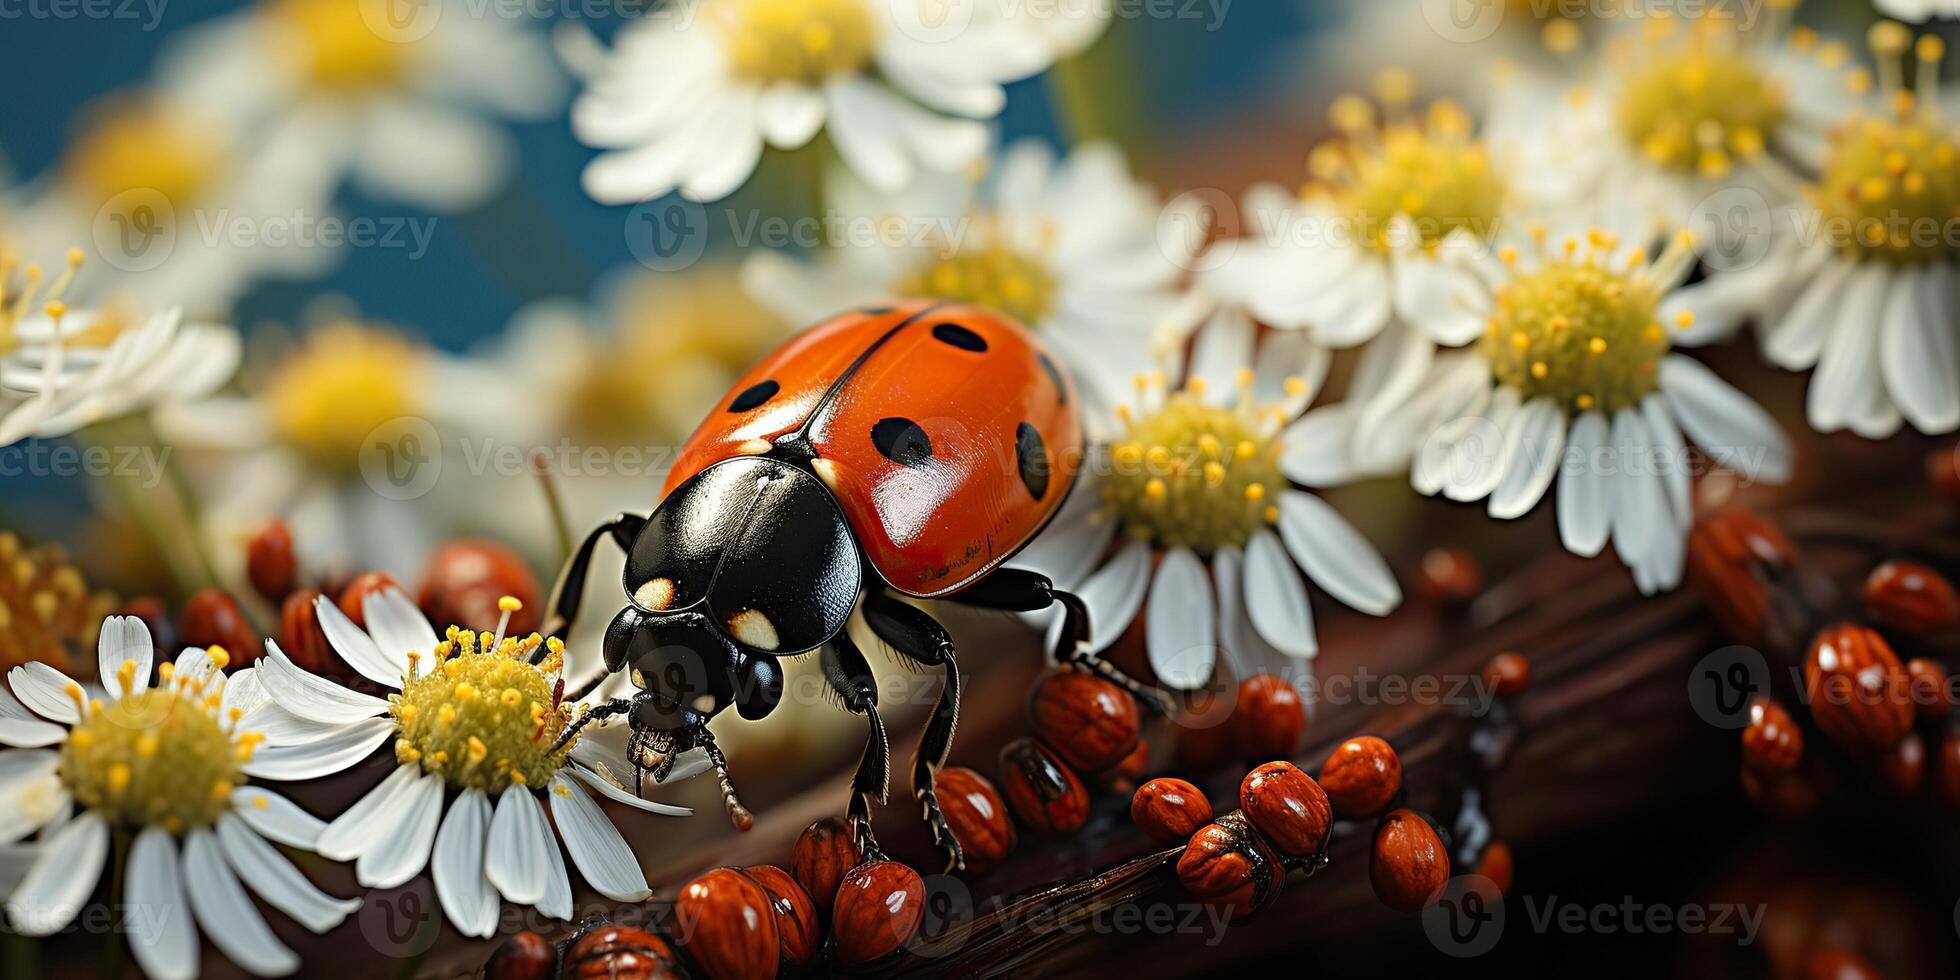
(961, 337)
(1055, 375)
(901, 441)
(876, 310)
(1032, 455)
(754, 395)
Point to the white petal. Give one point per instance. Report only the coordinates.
(1585, 503)
(1180, 634)
(345, 747)
(1535, 443)
(1244, 649)
(357, 830)
(1797, 339)
(597, 849)
(621, 795)
(1848, 389)
(62, 878)
(357, 648)
(1335, 555)
(790, 115)
(276, 818)
(31, 793)
(1221, 350)
(124, 638)
(243, 691)
(1724, 421)
(156, 912)
(1675, 476)
(281, 727)
(311, 696)
(1916, 350)
(46, 691)
(515, 862)
(226, 913)
(466, 895)
(271, 877)
(30, 734)
(1275, 599)
(1115, 593)
(403, 849)
(399, 628)
(557, 901)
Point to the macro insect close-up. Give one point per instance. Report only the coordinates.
(748, 489)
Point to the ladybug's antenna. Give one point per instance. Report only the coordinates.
(738, 814)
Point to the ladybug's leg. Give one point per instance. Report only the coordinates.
(1020, 590)
(920, 638)
(847, 673)
(561, 610)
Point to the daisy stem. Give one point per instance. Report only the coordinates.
(111, 964)
(1093, 92)
(155, 501)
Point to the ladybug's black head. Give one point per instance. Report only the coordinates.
(688, 671)
(750, 556)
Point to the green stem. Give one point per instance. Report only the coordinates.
(161, 510)
(1095, 93)
(111, 963)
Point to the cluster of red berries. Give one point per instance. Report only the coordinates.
(1285, 818)
(460, 585)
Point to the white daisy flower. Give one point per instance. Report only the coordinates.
(1860, 281)
(1671, 110)
(1574, 380)
(165, 766)
(178, 201)
(1190, 485)
(690, 94)
(1378, 236)
(410, 111)
(472, 714)
(1069, 249)
(62, 369)
(292, 445)
(1918, 11)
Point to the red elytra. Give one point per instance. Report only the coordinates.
(951, 438)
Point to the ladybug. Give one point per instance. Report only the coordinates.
(890, 454)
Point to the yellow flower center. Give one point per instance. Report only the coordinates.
(47, 612)
(334, 42)
(339, 385)
(1695, 106)
(993, 275)
(146, 148)
(1194, 475)
(1433, 172)
(1892, 188)
(484, 717)
(801, 41)
(156, 757)
(1579, 331)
